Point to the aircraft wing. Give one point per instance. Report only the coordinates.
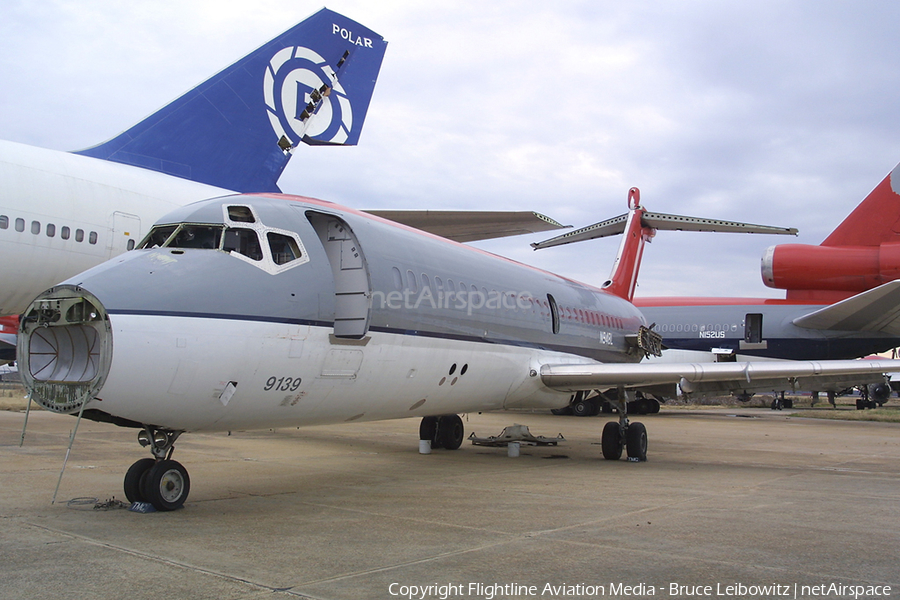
(574, 378)
(470, 226)
(877, 309)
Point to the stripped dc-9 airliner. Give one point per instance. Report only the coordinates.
(259, 311)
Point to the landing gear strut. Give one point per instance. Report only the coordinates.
(161, 481)
(624, 434)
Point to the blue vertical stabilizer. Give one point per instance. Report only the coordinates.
(237, 129)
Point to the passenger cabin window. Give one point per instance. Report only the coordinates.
(64, 232)
(20, 224)
(4, 222)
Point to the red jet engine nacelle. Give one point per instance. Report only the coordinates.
(838, 268)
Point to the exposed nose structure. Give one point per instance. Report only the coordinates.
(64, 348)
(65, 351)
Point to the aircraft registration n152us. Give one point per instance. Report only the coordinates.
(259, 311)
(842, 301)
(842, 297)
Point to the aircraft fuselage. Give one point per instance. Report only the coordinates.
(61, 213)
(258, 311)
(754, 327)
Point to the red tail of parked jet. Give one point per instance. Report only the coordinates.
(623, 278)
(639, 226)
(861, 254)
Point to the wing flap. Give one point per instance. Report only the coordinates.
(833, 383)
(877, 309)
(470, 226)
(574, 378)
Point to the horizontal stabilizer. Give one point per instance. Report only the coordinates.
(470, 226)
(875, 310)
(572, 378)
(660, 221)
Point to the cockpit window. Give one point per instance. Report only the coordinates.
(242, 241)
(184, 236)
(284, 248)
(243, 235)
(241, 214)
(197, 236)
(158, 236)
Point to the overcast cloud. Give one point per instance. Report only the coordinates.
(780, 113)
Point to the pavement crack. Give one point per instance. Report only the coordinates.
(165, 561)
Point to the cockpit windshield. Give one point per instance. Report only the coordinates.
(158, 236)
(205, 237)
(280, 249)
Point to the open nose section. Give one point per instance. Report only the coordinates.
(64, 348)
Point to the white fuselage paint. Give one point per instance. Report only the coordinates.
(391, 376)
(114, 202)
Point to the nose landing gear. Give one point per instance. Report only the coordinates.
(161, 481)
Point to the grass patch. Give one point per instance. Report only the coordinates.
(12, 397)
(885, 414)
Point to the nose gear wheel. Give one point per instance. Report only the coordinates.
(160, 481)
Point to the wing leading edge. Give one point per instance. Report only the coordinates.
(573, 378)
(877, 309)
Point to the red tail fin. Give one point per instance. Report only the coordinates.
(875, 221)
(623, 278)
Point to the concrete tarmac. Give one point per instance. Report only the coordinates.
(728, 497)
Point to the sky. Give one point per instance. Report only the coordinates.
(780, 113)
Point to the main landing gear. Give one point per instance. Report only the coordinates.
(161, 481)
(624, 434)
(445, 431)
